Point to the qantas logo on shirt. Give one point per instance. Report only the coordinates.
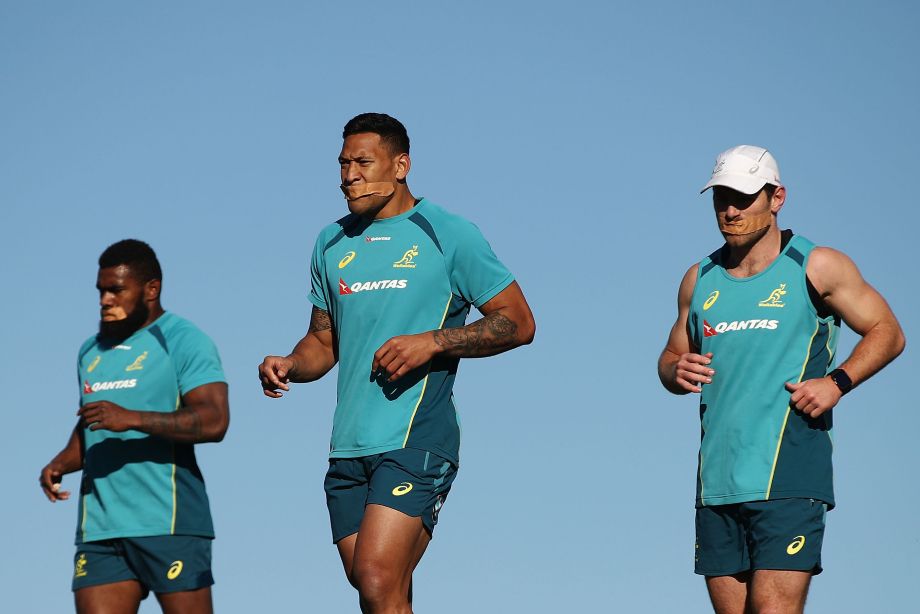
(368, 239)
(364, 286)
(724, 327)
(114, 385)
(708, 330)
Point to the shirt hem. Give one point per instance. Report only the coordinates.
(159, 532)
(362, 452)
(711, 500)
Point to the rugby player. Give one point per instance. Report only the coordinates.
(392, 283)
(756, 337)
(151, 386)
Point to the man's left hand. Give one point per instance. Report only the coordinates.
(109, 416)
(402, 354)
(813, 397)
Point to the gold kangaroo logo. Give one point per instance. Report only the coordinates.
(136, 365)
(80, 569)
(406, 261)
(775, 299)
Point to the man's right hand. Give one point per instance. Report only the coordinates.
(692, 371)
(274, 374)
(50, 482)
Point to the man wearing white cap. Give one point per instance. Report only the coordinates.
(756, 337)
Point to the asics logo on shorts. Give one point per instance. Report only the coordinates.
(797, 544)
(174, 570)
(402, 489)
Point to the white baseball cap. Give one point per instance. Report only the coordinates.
(745, 168)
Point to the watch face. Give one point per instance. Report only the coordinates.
(842, 380)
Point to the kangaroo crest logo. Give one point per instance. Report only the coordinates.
(775, 299)
(136, 365)
(79, 570)
(406, 262)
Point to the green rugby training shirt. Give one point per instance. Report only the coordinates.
(134, 484)
(763, 331)
(415, 272)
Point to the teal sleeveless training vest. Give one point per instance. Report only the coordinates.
(763, 331)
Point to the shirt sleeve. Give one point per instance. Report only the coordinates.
(318, 276)
(197, 361)
(477, 274)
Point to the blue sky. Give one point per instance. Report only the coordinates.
(576, 136)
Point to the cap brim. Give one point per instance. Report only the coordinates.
(746, 184)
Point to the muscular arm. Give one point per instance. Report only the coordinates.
(507, 323)
(311, 358)
(203, 417)
(680, 368)
(863, 309)
(68, 460)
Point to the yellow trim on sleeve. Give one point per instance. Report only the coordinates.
(789, 409)
(425, 381)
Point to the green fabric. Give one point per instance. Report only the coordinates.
(763, 332)
(415, 272)
(136, 485)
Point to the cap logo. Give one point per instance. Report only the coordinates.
(719, 166)
(753, 169)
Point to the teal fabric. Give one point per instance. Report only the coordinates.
(415, 272)
(136, 485)
(763, 332)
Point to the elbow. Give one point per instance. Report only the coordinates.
(527, 331)
(900, 343)
(217, 433)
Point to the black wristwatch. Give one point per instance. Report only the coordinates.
(843, 381)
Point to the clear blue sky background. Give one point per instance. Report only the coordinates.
(576, 135)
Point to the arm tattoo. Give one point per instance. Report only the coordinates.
(181, 425)
(492, 334)
(319, 321)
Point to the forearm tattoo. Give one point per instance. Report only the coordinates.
(490, 335)
(319, 321)
(183, 425)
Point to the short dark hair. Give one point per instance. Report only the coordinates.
(770, 189)
(390, 129)
(136, 255)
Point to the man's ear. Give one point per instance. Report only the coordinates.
(778, 200)
(403, 164)
(152, 290)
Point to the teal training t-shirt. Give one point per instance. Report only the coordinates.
(763, 332)
(134, 484)
(415, 272)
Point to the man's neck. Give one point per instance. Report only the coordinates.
(749, 260)
(402, 201)
(156, 311)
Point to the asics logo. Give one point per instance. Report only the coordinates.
(174, 570)
(402, 489)
(797, 544)
(711, 300)
(348, 258)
